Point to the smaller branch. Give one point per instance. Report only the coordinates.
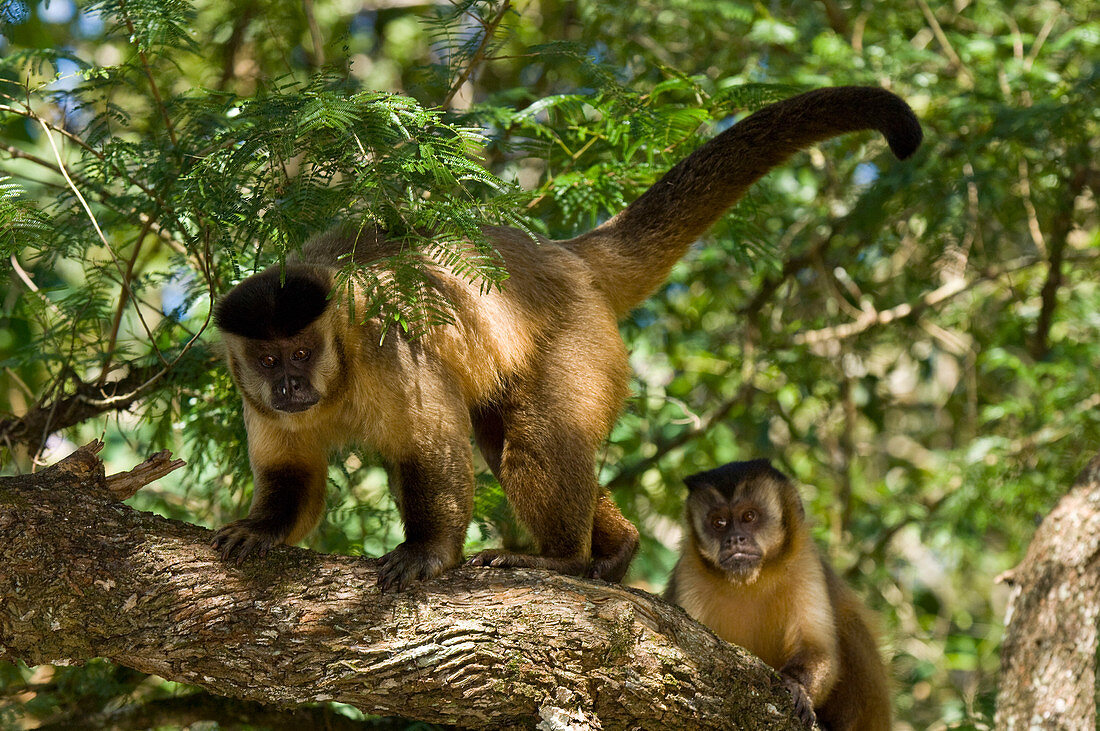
(124, 298)
(838, 21)
(86, 402)
(873, 318)
(102, 237)
(945, 43)
(1041, 39)
(60, 130)
(16, 152)
(476, 58)
(152, 82)
(25, 277)
(126, 484)
(1029, 207)
(1059, 239)
(627, 475)
(314, 34)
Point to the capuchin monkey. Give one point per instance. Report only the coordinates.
(750, 571)
(537, 371)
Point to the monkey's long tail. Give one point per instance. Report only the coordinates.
(633, 252)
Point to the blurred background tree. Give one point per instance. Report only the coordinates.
(916, 343)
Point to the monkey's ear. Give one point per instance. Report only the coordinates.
(696, 481)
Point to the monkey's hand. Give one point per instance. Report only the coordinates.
(246, 536)
(411, 562)
(803, 706)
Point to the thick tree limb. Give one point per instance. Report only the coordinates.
(83, 576)
(1048, 658)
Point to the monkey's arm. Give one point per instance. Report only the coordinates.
(813, 657)
(434, 492)
(288, 496)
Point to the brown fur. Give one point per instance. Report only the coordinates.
(537, 371)
(789, 607)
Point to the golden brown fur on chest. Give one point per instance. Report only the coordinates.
(769, 617)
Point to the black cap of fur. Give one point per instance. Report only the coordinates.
(727, 478)
(264, 308)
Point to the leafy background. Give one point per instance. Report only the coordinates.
(916, 343)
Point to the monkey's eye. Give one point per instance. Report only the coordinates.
(300, 354)
(749, 516)
(718, 523)
(269, 361)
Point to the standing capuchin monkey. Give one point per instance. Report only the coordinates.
(750, 571)
(537, 372)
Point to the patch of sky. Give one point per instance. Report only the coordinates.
(89, 24)
(365, 22)
(56, 11)
(174, 301)
(68, 75)
(865, 173)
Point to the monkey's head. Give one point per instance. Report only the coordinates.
(743, 516)
(279, 352)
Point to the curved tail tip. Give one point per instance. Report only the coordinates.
(906, 137)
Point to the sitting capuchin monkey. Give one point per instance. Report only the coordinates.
(749, 570)
(536, 371)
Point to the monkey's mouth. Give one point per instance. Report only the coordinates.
(294, 402)
(293, 407)
(739, 561)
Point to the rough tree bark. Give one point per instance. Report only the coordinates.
(83, 575)
(1049, 654)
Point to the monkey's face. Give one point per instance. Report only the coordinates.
(280, 352)
(738, 520)
(282, 372)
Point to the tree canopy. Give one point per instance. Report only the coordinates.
(916, 343)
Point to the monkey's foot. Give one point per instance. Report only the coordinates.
(411, 562)
(803, 706)
(506, 559)
(613, 567)
(243, 537)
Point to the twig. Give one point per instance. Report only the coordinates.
(149, 75)
(1060, 227)
(475, 59)
(102, 237)
(125, 484)
(945, 43)
(1029, 207)
(662, 447)
(123, 299)
(314, 34)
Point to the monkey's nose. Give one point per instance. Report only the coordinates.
(289, 385)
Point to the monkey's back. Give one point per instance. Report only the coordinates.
(550, 310)
(860, 700)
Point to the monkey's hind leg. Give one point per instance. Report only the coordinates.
(614, 541)
(547, 470)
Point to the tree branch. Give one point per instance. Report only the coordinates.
(84, 576)
(1059, 236)
(87, 401)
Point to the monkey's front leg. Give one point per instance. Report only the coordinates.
(434, 491)
(287, 502)
(809, 675)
